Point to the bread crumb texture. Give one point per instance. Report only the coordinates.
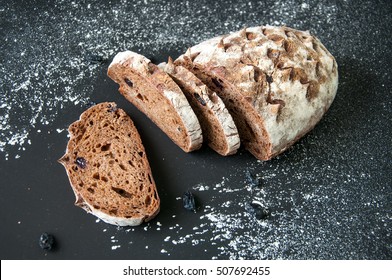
(108, 168)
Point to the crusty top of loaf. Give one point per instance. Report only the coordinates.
(108, 169)
(288, 76)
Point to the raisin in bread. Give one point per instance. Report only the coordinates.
(277, 83)
(154, 93)
(108, 169)
(219, 129)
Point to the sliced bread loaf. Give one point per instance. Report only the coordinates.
(219, 129)
(154, 93)
(277, 83)
(108, 169)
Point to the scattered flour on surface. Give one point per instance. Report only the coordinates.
(52, 68)
(317, 211)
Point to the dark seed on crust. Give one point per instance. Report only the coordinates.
(81, 162)
(200, 99)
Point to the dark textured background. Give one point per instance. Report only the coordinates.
(330, 195)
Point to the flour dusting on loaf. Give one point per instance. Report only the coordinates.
(276, 81)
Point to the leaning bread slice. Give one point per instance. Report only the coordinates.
(277, 83)
(108, 169)
(154, 93)
(218, 127)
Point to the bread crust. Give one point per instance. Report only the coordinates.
(108, 169)
(281, 80)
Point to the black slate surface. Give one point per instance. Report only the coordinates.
(328, 197)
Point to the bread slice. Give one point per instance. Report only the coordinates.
(154, 93)
(219, 129)
(108, 168)
(277, 83)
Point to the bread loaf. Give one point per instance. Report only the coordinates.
(219, 129)
(277, 83)
(108, 168)
(154, 93)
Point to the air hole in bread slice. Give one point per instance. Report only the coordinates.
(128, 82)
(122, 192)
(113, 212)
(147, 200)
(140, 97)
(122, 167)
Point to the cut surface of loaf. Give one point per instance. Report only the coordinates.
(108, 168)
(277, 83)
(219, 129)
(155, 94)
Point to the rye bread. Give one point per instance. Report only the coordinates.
(219, 129)
(155, 94)
(277, 83)
(108, 168)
